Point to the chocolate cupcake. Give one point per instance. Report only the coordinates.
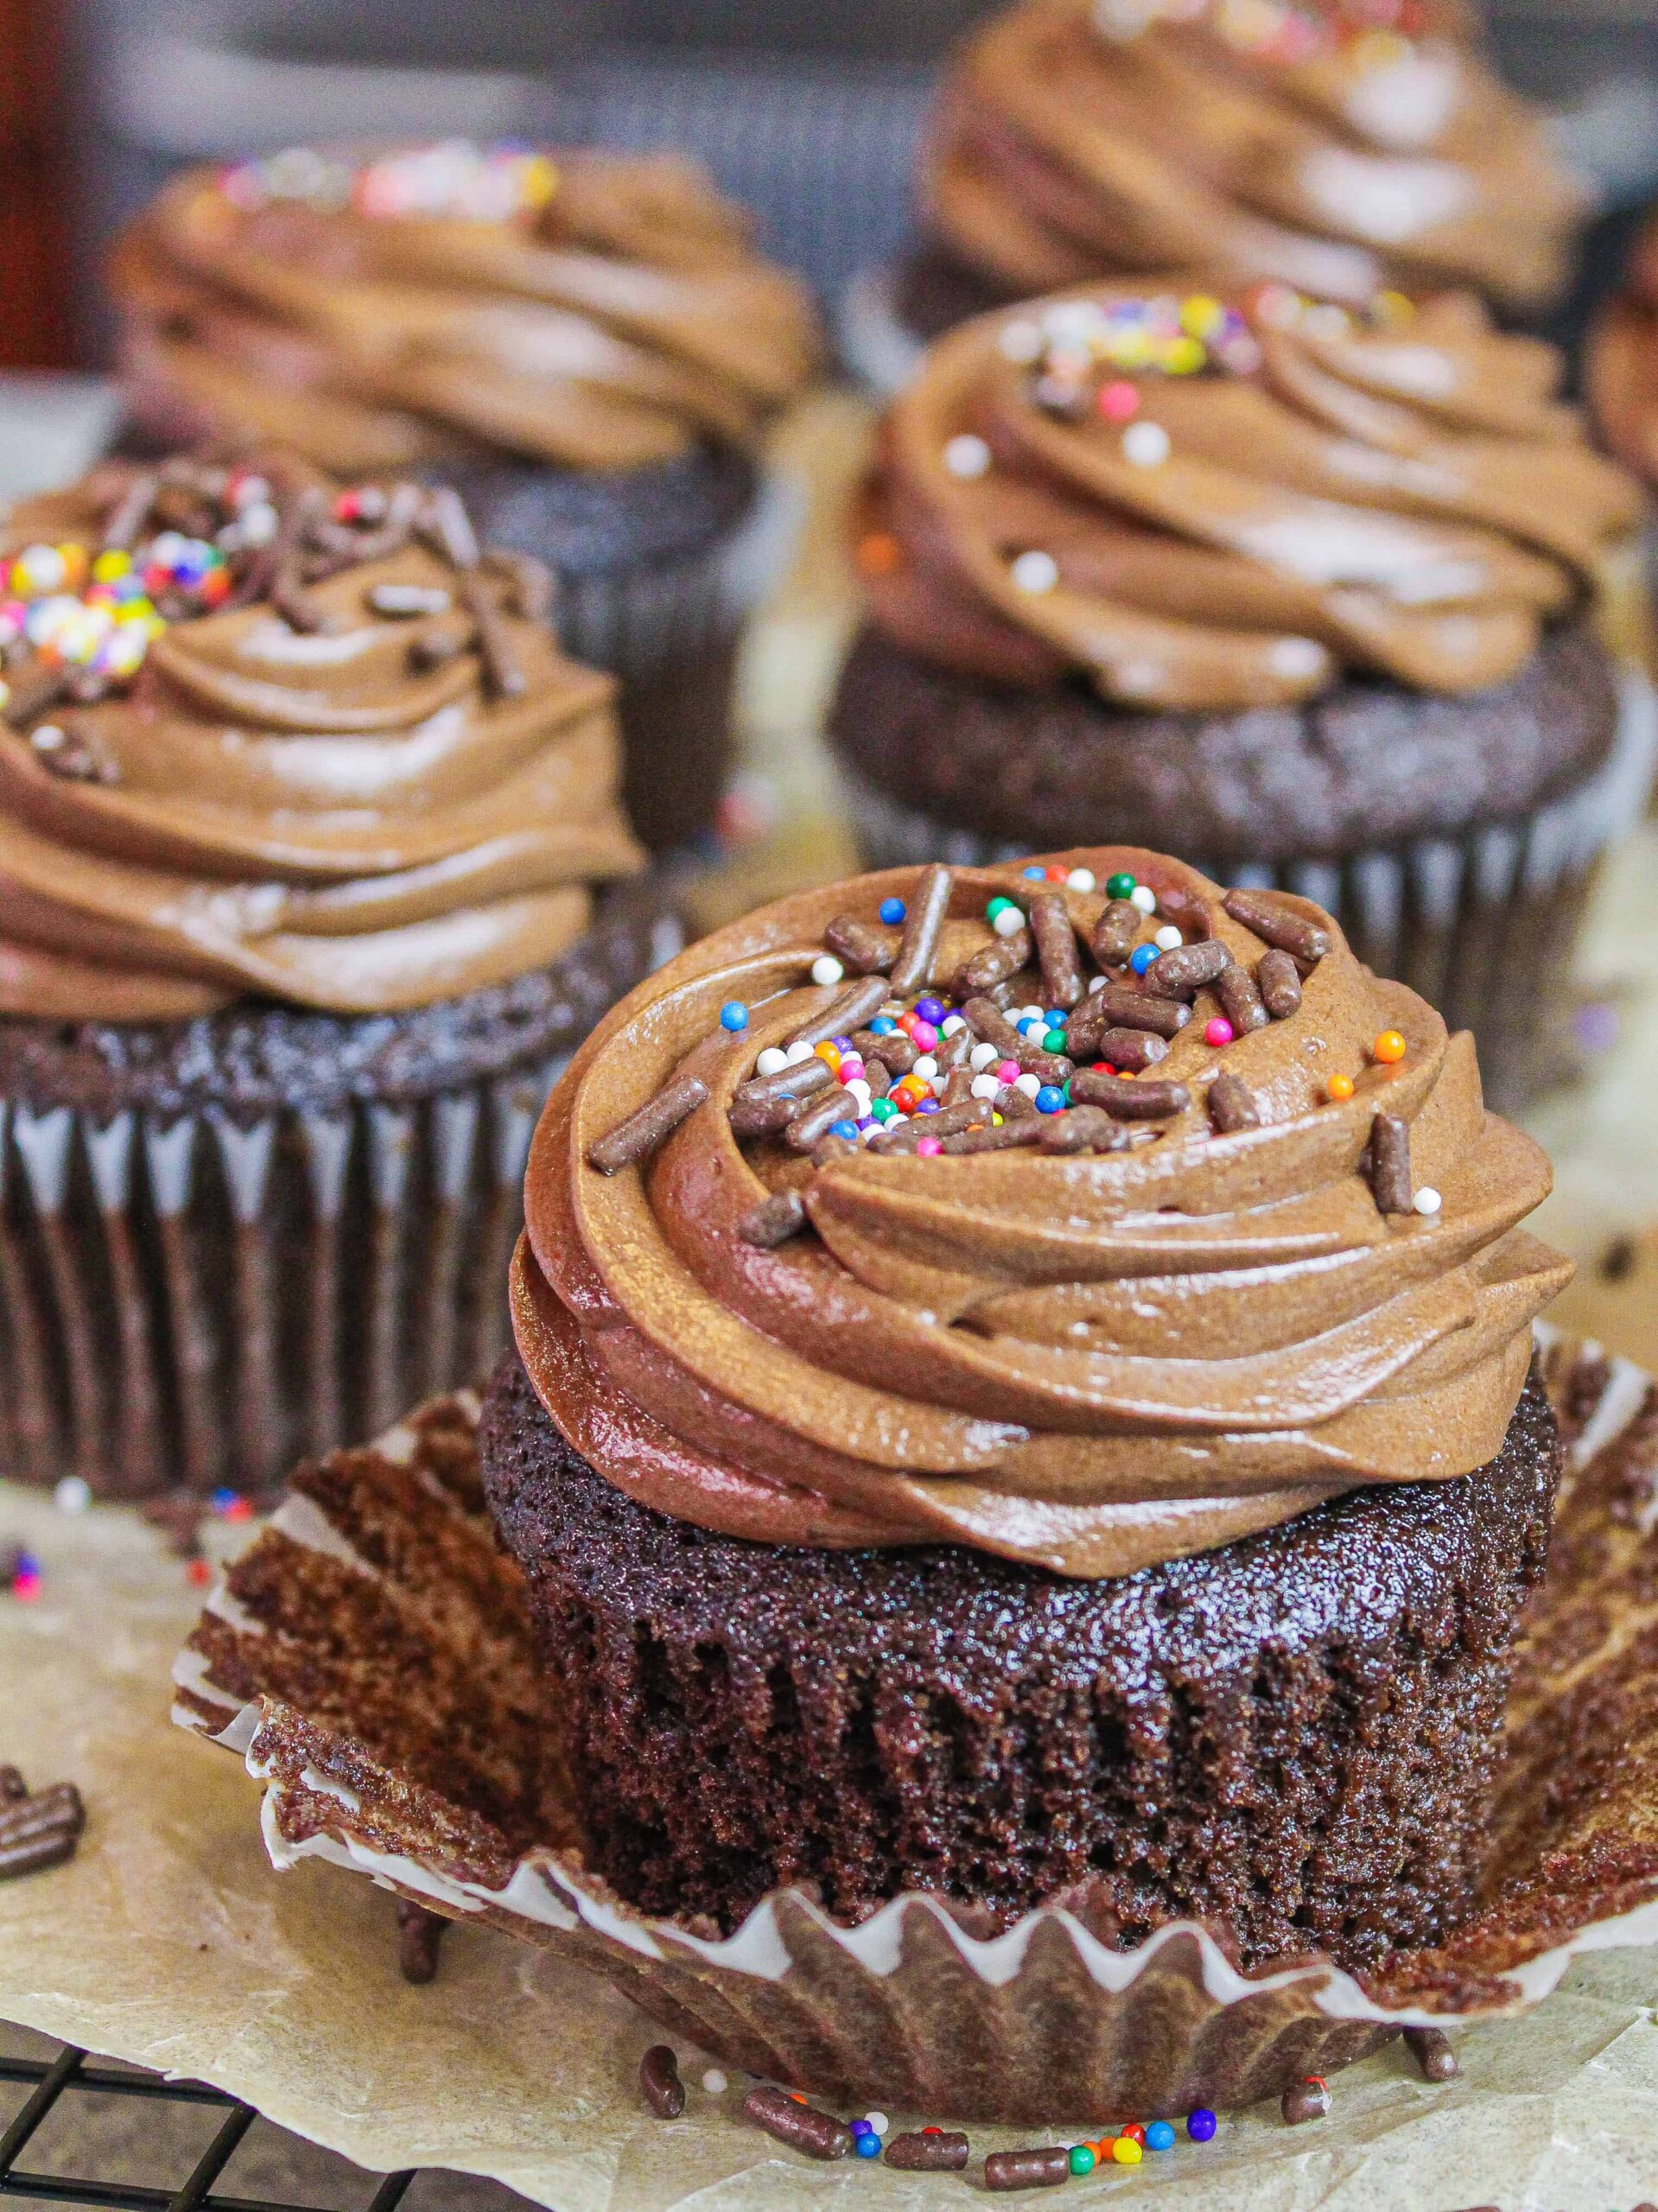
(1340, 146)
(1053, 1481)
(312, 875)
(1309, 598)
(587, 344)
(1622, 363)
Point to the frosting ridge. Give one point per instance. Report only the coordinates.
(1090, 1359)
(358, 776)
(1203, 503)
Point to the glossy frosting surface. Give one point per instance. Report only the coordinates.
(1622, 372)
(622, 319)
(1306, 493)
(1302, 140)
(331, 805)
(1089, 1363)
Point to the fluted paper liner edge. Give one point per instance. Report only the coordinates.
(369, 1658)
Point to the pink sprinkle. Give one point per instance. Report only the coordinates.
(1009, 1072)
(853, 1068)
(929, 1148)
(1219, 1031)
(924, 1036)
(1119, 402)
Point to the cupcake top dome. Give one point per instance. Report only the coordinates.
(1336, 145)
(263, 734)
(1079, 1211)
(1199, 501)
(390, 309)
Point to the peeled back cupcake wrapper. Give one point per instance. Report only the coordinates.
(1483, 925)
(371, 1658)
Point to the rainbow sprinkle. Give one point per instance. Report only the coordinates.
(497, 183)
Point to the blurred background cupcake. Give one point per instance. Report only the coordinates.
(587, 344)
(313, 871)
(1305, 596)
(1343, 146)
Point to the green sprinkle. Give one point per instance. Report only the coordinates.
(996, 907)
(1054, 1041)
(1121, 886)
(884, 1110)
(1083, 2160)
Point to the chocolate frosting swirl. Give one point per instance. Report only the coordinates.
(1089, 1362)
(622, 322)
(1296, 140)
(1623, 363)
(1323, 494)
(342, 812)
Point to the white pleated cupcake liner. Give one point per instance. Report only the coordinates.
(1484, 925)
(1048, 2022)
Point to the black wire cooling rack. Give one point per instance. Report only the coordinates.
(54, 2078)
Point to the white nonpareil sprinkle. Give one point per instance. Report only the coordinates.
(967, 457)
(1144, 897)
(1146, 445)
(1098, 983)
(926, 1067)
(771, 1061)
(1021, 342)
(1032, 1013)
(986, 1086)
(952, 1022)
(1428, 1202)
(1080, 879)
(877, 2121)
(72, 1494)
(1030, 1085)
(826, 968)
(714, 2081)
(793, 1054)
(1168, 938)
(982, 1056)
(1035, 573)
(1009, 922)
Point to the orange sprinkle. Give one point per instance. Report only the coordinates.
(1389, 1047)
(879, 554)
(1340, 1087)
(828, 1052)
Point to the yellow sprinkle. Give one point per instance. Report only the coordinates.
(1186, 357)
(110, 567)
(1200, 316)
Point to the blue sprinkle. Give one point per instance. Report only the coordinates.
(1050, 1099)
(928, 1106)
(866, 2145)
(734, 1015)
(1201, 2125)
(861, 2127)
(1143, 957)
(1034, 1025)
(27, 1564)
(1033, 874)
(882, 1026)
(222, 1500)
(867, 1124)
(1057, 1017)
(930, 1010)
(892, 912)
(1160, 2136)
(847, 1129)
(842, 1044)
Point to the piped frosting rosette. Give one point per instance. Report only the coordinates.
(1329, 145)
(1214, 504)
(389, 310)
(343, 766)
(1040, 1304)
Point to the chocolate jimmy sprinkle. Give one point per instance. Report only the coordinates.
(1129, 1008)
(1304, 2100)
(895, 1052)
(1135, 1049)
(1241, 1002)
(130, 513)
(641, 1133)
(923, 926)
(1011, 1136)
(905, 1133)
(806, 1129)
(876, 1076)
(1056, 946)
(1014, 1106)
(419, 1932)
(946, 2152)
(849, 1012)
(1431, 2049)
(533, 589)
(951, 1053)
(1002, 957)
(768, 1103)
(867, 948)
(37, 1829)
(659, 2082)
(1130, 1101)
(1117, 933)
(1279, 980)
(830, 1150)
(75, 755)
(1390, 1170)
(1232, 1105)
(775, 1220)
(1189, 969)
(1186, 911)
(994, 1028)
(803, 2128)
(1033, 2169)
(1288, 932)
(1084, 1128)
